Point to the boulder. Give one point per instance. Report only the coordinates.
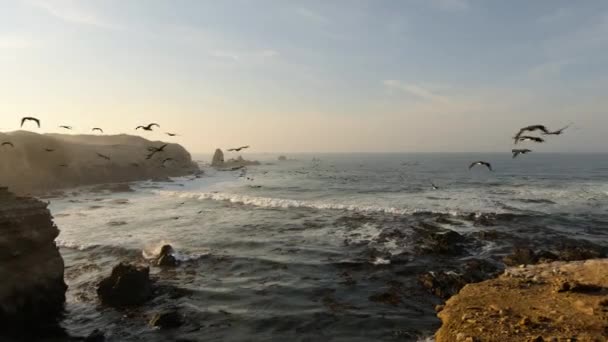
(32, 290)
(282, 158)
(128, 285)
(166, 257)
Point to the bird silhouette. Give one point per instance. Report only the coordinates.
(171, 134)
(531, 128)
(529, 138)
(238, 149)
(558, 132)
(435, 187)
(155, 150)
(66, 127)
(486, 164)
(97, 129)
(30, 118)
(8, 143)
(147, 128)
(103, 156)
(49, 149)
(517, 152)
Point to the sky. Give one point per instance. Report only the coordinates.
(311, 76)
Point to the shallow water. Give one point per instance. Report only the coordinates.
(304, 250)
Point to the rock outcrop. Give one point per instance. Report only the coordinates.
(77, 160)
(219, 162)
(32, 288)
(218, 158)
(128, 285)
(565, 301)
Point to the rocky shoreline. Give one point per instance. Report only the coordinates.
(559, 301)
(32, 290)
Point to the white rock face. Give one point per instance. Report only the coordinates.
(218, 158)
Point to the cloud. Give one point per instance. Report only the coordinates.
(414, 90)
(225, 55)
(72, 12)
(450, 5)
(549, 69)
(13, 42)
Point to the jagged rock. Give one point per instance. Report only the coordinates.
(128, 285)
(282, 158)
(218, 158)
(167, 320)
(166, 257)
(431, 239)
(32, 288)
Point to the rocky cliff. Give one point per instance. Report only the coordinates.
(36, 163)
(238, 162)
(32, 289)
(560, 301)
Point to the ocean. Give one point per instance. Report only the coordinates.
(321, 247)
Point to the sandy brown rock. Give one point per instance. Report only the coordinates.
(560, 300)
(32, 289)
(28, 168)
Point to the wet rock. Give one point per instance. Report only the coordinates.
(128, 285)
(167, 320)
(521, 256)
(166, 257)
(435, 240)
(446, 284)
(95, 336)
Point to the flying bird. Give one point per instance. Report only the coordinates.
(154, 150)
(517, 152)
(558, 132)
(49, 149)
(166, 160)
(66, 127)
(529, 138)
(531, 128)
(8, 143)
(97, 129)
(147, 128)
(435, 187)
(63, 165)
(238, 149)
(29, 118)
(103, 156)
(486, 164)
(171, 134)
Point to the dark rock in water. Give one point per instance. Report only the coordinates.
(32, 287)
(95, 336)
(446, 284)
(128, 285)
(436, 240)
(166, 257)
(167, 320)
(521, 256)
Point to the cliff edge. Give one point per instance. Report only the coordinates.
(32, 290)
(560, 301)
(34, 163)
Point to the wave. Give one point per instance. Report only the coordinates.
(273, 203)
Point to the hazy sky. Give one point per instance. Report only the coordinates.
(340, 75)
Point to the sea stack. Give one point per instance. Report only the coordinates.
(218, 158)
(32, 290)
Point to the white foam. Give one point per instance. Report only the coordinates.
(268, 202)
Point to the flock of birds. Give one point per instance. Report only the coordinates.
(150, 127)
(152, 151)
(520, 137)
